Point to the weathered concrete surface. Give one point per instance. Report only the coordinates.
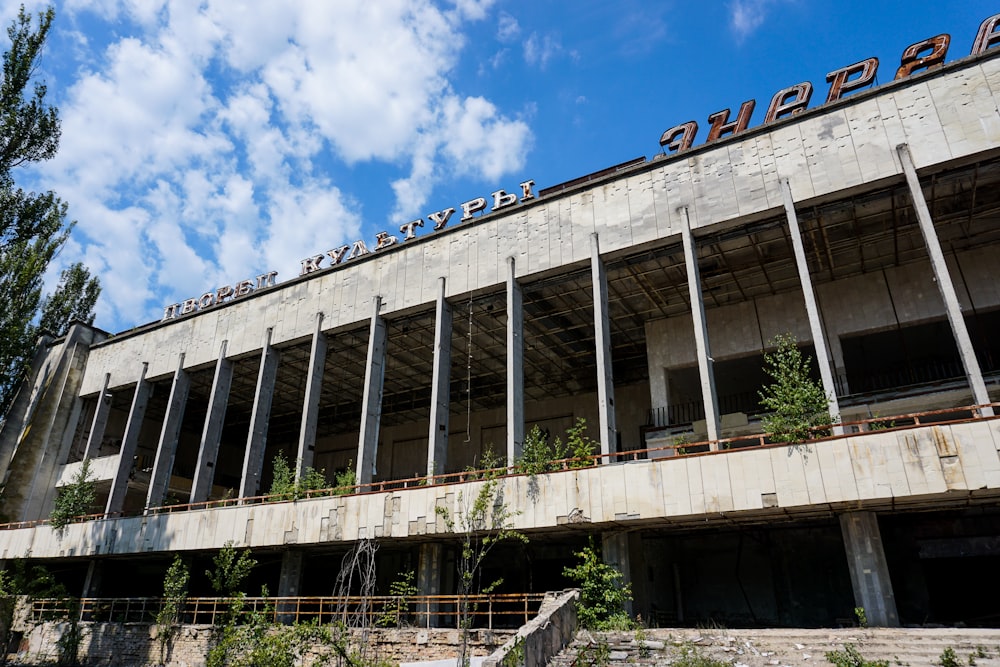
(871, 471)
(788, 647)
(945, 115)
(544, 636)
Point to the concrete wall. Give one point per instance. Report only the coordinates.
(871, 471)
(544, 636)
(943, 115)
(132, 644)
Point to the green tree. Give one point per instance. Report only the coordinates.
(481, 521)
(175, 590)
(74, 500)
(797, 402)
(33, 226)
(603, 595)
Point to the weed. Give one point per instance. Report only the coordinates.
(949, 658)
(851, 657)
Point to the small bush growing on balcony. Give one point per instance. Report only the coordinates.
(74, 500)
(285, 487)
(796, 401)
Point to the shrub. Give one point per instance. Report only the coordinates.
(74, 500)
(603, 594)
(796, 401)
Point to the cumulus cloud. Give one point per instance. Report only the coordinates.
(198, 137)
(540, 49)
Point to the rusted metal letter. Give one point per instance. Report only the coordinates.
(679, 138)
(987, 35)
(721, 125)
(910, 61)
(840, 81)
(789, 101)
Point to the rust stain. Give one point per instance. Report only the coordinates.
(944, 445)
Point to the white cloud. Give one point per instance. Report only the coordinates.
(540, 49)
(507, 28)
(197, 137)
(745, 16)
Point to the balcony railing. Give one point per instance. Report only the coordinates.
(881, 423)
(485, 611)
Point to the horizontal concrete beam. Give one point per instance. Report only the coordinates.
(868, 471)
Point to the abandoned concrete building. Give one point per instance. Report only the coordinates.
(642, 299)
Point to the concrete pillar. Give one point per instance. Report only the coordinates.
(945, 285)
(602, 342)
(437, 436)
(705, 361)
(92, 582)
(166, 449)
(23, 407)
(310, 404)
(371, 403)
(429, 582)
(812, 310)
(624, 552)
(289, 583)
(869, 571)
(515, 366)
(208, 451)
(46, 436)
(130, 442)
(260, 417)
(101, 410)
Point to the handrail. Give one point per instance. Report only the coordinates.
(700, 448)
(493, 610)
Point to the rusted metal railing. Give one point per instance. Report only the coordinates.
(485, 611)
(943, 416)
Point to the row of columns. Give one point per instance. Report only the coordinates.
(941, 275)
(437, 440)
(440, 382)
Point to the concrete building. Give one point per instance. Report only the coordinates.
(641, 299)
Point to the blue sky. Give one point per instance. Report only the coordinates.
(208, 141)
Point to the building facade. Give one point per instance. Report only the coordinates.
(641, 299)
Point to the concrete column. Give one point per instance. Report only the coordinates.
(23, 407)
(869, 571)
(166, 449)
(130, 442)
(310, 404)
(371, 403)
(101, 410)
(945, 285)
(289, 582)
(515, 366)
(812, 310)
(437, 436)
(602, 342)
(260, 417)
(208, 451)
(429, 581)
(92, 582)
(45, 438)
(623, 551)
(705, 361)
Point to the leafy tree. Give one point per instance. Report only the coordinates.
(482, 521)
(175, 590)
(75, 499)
(796, 401)
(284, 486)
(602, 593)
(230, 571)
(33, 226)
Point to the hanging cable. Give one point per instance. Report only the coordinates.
(468, 380)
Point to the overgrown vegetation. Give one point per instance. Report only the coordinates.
(690, 656)
(851, 657)
(312, 483)
(402, 589)
(540, 455)
(75, 499)
(37, 582)
(797, 402)
(481, 521)
(949, 658)
(603, 594)
(175, 589)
